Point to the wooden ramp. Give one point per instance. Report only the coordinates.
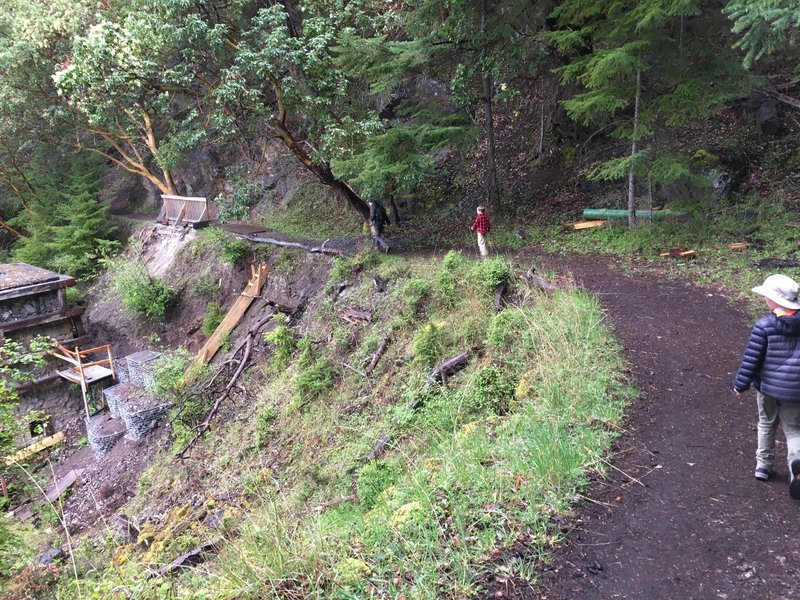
(258, 276)
(84, 373)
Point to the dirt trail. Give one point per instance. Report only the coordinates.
(680, 514)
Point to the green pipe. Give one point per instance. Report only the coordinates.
(610, 213)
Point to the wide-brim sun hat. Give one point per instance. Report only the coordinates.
(782, 290)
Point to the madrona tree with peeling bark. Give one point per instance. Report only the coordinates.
(170, 75)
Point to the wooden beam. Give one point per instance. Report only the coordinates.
(42, 319)
(38, 288)
(34, 448)
(258, 276)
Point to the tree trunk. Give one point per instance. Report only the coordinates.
(492, 187)
(631, 199)
(322, 171)
(395, 211)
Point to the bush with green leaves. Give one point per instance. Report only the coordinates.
(141, 294)
(415, 292)
(508, 327)
(315, 378)
(168, 373)
(487, 274)
(235, 204)
(264, 429)
(373, 479)
(212, 319)
(282, 337)
(427, 346)
(228, 247)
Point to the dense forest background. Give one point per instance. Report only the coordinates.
(517, 104)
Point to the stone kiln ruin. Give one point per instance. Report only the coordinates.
(33, 302)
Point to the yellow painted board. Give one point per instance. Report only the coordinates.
(34, 448)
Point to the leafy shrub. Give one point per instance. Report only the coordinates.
(427, 345)
(230, 248)
(506, 328)
(487, 274)
(235, 205)
(374, 478)
(491, 391)
(212, 319)
(141, 294)
(415, 292)
(203, 284)
(168, 373)
(264, 431)
(282, 338)
(315, 379)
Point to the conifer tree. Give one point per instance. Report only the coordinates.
(765, 26)
(643, 71)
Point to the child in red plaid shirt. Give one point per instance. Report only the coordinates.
(481, 226)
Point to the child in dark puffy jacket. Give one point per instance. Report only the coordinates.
(771, 363)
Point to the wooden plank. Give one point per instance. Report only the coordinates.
(38, 288)
(252, 290)
(89, 375)
(34, 448)
(42, 319)
(63, 484)
(586, 224)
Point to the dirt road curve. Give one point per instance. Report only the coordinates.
(696, 524)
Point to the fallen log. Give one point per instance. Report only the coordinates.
(378, 353)
(193, 557)
(449, 367)
(355, 315)
(321, 249)
(379, 447)
(531, 278)
(500, 301)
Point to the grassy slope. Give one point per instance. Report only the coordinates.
(482, 465)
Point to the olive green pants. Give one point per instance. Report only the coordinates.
(770, 413)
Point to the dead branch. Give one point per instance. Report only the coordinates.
(337, 502)
(193, 557)
(355, 315)
(379, 447)
(302, 245)
(532, 279)
(353, 369)
(247, 346)
(378, 353)
(449, 367)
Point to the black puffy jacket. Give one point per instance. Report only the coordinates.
(771, 360)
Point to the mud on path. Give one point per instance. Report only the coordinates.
(679, 514)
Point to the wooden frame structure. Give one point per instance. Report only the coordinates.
(178, 210)
(85, 373)
(258, 277)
